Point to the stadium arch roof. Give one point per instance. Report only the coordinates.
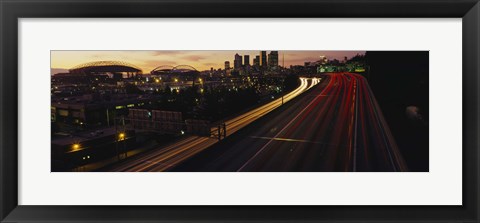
(165, 69)
(105, 66)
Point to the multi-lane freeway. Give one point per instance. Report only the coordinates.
(337, 126)
(167, 157)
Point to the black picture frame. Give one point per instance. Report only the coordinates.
(12, 10)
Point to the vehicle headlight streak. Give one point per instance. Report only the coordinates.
(164, 159)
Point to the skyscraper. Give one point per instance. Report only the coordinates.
(246, 60)
(256, 61)
(273, 60)
(263, 59)
(237, 63)
(227, 65)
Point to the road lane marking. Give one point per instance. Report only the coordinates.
(288, 124)
(286, 139)
(298, 140)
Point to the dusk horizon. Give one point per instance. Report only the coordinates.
(147, 60)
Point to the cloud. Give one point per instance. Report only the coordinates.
(194, 57)
(151, 64)
(301, 60)
(167, 52)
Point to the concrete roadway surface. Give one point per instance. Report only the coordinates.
(335, 127)
(167, 157)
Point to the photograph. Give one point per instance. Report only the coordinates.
(240, 111)
(259, 110)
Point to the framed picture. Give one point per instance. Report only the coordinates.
(239, 111)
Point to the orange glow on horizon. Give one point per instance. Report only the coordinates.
(201, 60)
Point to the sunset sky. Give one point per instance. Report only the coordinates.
(201, 60)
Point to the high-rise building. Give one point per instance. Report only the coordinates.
(227, 65)
(263, 59)
(273, 60)
(237, 63)
(256, 61)
(323, 59)
(246, 60)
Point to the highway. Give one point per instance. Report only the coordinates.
(336, 127)
(165, 158)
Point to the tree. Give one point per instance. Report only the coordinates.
(132, 89)
(291, 82)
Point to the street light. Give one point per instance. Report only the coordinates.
(121, 136)
(76, 146)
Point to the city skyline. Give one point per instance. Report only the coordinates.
(326, 114)
(61, 61)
